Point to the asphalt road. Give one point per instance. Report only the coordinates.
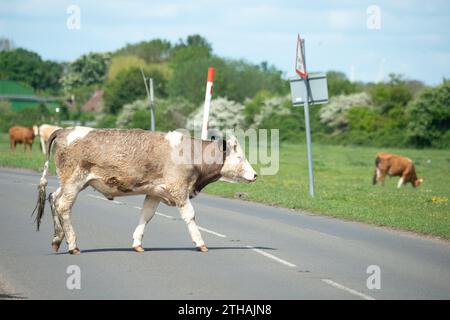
(256, 252)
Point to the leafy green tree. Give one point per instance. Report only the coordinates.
(386, 96)
(89, 69)
(338, 84)
(154, 51)
(236, 80)
(129, 86)
(28, 67)
(429, 117)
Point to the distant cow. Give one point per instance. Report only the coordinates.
(45, 131)
(395, 165)
(22, 135)
(130, 162)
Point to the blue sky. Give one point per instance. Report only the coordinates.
(413, 39)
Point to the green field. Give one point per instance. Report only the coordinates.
(343, 177)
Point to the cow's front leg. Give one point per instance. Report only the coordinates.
(400, 182)
(188, 215)
(147, 213)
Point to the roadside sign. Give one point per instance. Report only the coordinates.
(307, 89)
(300, 64)
(316, 85)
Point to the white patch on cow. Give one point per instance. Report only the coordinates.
(77, 133)
(174, 138)
(378, 174)
(400, 182)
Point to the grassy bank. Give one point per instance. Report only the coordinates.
(343, 185)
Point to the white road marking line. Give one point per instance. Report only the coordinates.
(166, 216)
(101, 198)
(159, 214)
(268, 255)
(201, 228)
(354, 292)
(212, 232)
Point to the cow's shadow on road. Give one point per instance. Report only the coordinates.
(147, 250)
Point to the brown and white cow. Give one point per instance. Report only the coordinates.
(397, 166)
(22, 135)
(45, 130)
(129, 162)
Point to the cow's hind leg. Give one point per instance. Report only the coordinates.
(63, 206)
(58, 235)
(148, 211)
(188, 215)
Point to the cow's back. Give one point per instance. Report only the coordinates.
(135, 154)
(392, 164)
(21, 134)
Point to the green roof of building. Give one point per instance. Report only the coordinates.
(21, 96)
(8, 87)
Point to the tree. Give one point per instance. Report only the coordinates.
(89, 69)
(334, 114)
(28, 67)
(338, 84)
(129, 86)
(395, 93)
(154, 51)
(429, 117)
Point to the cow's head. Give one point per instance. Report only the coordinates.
(36, 130)
(417, 183)
(236, 168)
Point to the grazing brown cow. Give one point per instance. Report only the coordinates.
(45, 131)
(165, 167)
(397, 166)
(22, 135)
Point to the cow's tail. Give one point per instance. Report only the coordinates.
(377, 162)
(40, 205)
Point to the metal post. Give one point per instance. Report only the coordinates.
(308, 130)
(152, 109)
(308, 142)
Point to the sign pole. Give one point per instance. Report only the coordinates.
(152, 104)
(308, 130)
(300, 68)
(308, 143)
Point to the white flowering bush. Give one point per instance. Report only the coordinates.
(126, 115)
(334, 114)
(223, 114)
(274, 106)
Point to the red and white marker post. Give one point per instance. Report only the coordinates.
(206, 106)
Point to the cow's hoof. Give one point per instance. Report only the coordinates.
(55, 246)
(138, 249)
(75, 251)
(202, 248)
